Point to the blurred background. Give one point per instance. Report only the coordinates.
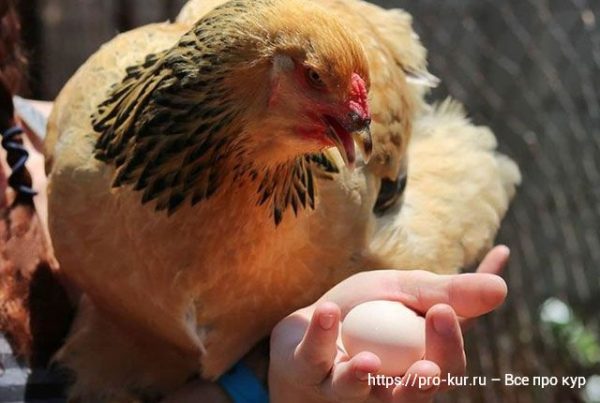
(529, 69)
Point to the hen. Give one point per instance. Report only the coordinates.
(195, 197)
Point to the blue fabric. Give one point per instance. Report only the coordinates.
(243, 386)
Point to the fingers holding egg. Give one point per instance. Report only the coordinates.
(407, 344)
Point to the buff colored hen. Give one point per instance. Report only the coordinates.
(200, 190)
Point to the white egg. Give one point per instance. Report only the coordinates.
(395, 333)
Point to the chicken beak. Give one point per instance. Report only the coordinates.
(359, 128)
(345, 136)
(364, 141)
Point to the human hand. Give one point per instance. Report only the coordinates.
(309, 365)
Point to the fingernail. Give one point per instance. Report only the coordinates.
(443, 325)
(496, 297)
(327, 321)
(361, 375)
(505, 249)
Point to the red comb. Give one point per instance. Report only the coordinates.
(358, 95)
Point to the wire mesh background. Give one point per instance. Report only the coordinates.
(529, 69)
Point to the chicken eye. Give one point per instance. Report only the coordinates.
(315, 79)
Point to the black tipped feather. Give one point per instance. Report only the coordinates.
(171, 127)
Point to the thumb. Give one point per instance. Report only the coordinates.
(493, 263)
